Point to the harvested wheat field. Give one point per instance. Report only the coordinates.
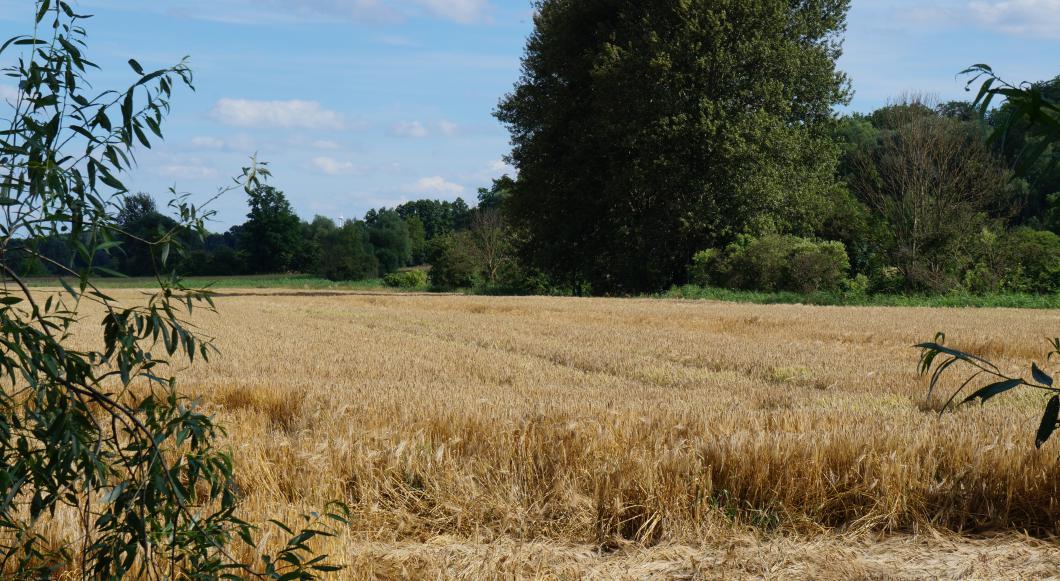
(560, 438)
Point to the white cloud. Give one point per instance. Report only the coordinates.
(7, 92)
(501, 166)
(325, 144)
(295, 114)
(488, 172)
(287, 11)
(461, 11)
(333, 167)
(448, 128)
(191, 171)
(438, 185)
(208, 142)
(241, 143)
(1019, 17)
(409, 129)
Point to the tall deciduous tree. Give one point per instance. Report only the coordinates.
(389, 236)
(935, 183)
(645, 130)
(140, 220)
(272, 231)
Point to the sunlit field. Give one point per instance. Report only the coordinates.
(561, 438)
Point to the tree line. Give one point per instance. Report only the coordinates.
(688, 143)
(463, 242)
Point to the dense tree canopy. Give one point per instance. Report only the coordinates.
(644, 131)
(140, 220)
(271, 233)
(935, 183)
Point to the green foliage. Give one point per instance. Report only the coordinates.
(454, 262)
(1032, 108)
(773, 263)
(1023, 260)
(704, 265)
(887, 280)
(618, 190)
(1037, 256)
(140, 221)
(406, 279)
(389, 236)
(345, 252)
(857, 287)
(438, 217)
(417, 240)
(934, 184)
(272, 231)
(493, 198)
(98, 429)
(849, 297)
(819, 266)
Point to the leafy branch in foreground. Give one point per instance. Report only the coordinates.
(106, 471)
(937, 359)
(1026, 102)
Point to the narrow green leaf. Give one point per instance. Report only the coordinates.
(994, 389)
(1041, 376)
(1049, 421)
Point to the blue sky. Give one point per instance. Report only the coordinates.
(365, 103)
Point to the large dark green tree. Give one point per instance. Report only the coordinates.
(140, 220)
(272, 232)
(345, 252)
(645, 130)
(389, 236)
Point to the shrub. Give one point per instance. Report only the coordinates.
(406, 279)
(821, 266)
(703, 268)
(762, 264)
(857, 286)
(1024, 260)
(454, 262)
(887, 280)
(1034, 256)
(774, 263)
(346, 254)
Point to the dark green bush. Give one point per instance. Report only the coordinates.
(703, 271)
(406, 279)
(1023, 260)
(774, 263)
(346, 254)
(454, 262)
(1034, 259)
(887, 280)
(820, 266)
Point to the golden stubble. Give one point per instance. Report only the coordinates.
(600, 438)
